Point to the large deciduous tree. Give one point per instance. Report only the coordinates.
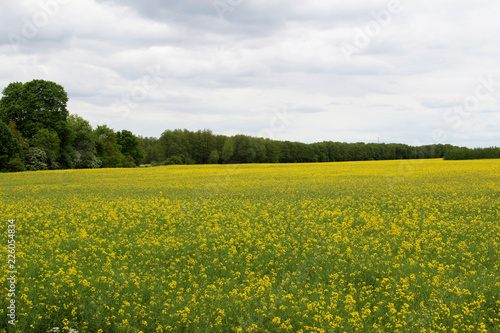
(35, 105)
(39, 108)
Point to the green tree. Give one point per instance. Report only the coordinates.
(463, 153)
(245, 151)
(149, 145)
(177, 143)
(84, 143)
(35, 105)
(272, 151)
(175, 160)
(259, 145)
(49, 142)
(206, 145)
(130, 146)
(108, 149)
(36, 159)
(11, 154)
(214, 157)
(228, 150)
(17, 134)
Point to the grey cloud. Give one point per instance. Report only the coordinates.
(306, 109)
(226, 72)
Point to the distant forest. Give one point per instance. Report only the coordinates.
(204, 147)
(38, 133)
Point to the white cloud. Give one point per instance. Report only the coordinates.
(148, 66)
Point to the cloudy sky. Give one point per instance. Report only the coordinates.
(416, 72)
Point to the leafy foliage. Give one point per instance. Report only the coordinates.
(17, 134)
(245, 149)
(49, 142)
(108, 149)
(84, 142)
(11, 154)
(35, 105)
(472, 154)
(37, 159)
(130, 146)
(214, 157)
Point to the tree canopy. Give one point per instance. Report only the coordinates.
(11, 154)
(35, 105)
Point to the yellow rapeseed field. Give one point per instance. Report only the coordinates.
(392, 246)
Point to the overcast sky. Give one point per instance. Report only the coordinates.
(415, 72)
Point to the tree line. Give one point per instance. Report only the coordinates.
(202, 147)
(38, 133)
(463, 153)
